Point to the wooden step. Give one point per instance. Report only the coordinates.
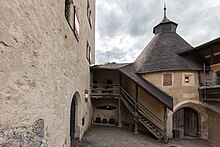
(144, 120)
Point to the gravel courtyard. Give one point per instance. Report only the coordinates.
(105, 136)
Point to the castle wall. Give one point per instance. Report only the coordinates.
(42, 67)
(183, 96)
(178, 90)
(214, 124)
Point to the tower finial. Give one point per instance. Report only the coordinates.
(164, 9)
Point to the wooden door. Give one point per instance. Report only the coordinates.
(190, 122)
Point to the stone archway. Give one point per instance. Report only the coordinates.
(202, 117)
(185, 123)
(75, 123)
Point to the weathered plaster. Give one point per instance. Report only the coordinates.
(43, 66)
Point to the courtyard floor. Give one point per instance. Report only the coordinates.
(105, 136)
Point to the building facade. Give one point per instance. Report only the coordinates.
(46, 48)
(170, 91)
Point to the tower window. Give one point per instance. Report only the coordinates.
(188, 79)
(167, 79)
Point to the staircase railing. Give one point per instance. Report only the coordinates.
(105, 90)
(153, 118)
(128, 96)
(144, 111)
(210, 82)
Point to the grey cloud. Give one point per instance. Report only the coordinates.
(198, 22)
(108, 23)
(136, 20)
(110, 56)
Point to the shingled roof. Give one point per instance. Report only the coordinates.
(112, 66)
(160, 54)
(147, 86)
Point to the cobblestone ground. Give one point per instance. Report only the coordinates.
(105, 136)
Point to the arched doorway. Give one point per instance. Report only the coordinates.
(185, 123)
(72, 120)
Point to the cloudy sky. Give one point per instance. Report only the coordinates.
(124, 27)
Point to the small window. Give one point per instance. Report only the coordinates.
(188, 79)
(89, 14)
(167, 79)
(88, 52)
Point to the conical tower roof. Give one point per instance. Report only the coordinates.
(161, 53)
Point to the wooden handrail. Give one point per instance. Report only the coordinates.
(105, 89)
(130, 98)
(105, 85)
(144, 110)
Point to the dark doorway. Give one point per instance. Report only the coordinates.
(72, 121)
(185, 122)
(190, 122)
(217, 80)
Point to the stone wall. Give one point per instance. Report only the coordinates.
(183, 96)
(214, 124)
(42, 67)
(178, 91)
(23, 136)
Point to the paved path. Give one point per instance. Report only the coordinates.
(104, 136)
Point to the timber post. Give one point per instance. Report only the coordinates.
(136, 119)
(119, 111)
(119, 101)
(165, 125)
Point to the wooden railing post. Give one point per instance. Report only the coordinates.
(165, 124)
(119, 111)
(136, 111)
(119, 101)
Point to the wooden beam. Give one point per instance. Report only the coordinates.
(136, 110)
(165, 124)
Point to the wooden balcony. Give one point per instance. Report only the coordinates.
(210, 92)
(105, 91)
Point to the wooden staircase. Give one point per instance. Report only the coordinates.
(146, 118)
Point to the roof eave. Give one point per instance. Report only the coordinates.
(169, 106)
